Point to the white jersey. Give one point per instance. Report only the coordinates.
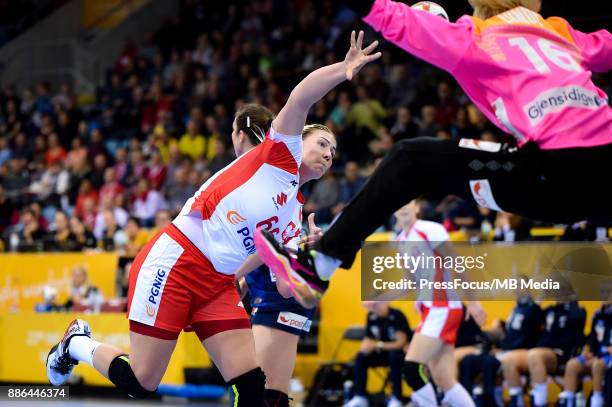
(258, 189)
(431, 235)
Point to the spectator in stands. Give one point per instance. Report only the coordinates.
(60, 237)
(120, 214)
(86, 193)
(55, 152)
(461, 126)
(386, 335)
(5, 151)
(447, 105)
(162, 219)
(595, 360)
(136, 237)
(81, 291)
(53, 183)
(139, 166)
(96, 144)
(349, 186)
(404, 126)
(157, 171)
(81, 238)
(113, 236)
(165, 145)
(428, 126)
(96, 175)
(178, 189)
(223, 155)
(340, 111)
(325, 196)
(365, 117)
(77, 156)
(122, 168)
(111, 186)
(29, 233)
(192, 143)
(213, 137)
(147, 202)
(17, 179)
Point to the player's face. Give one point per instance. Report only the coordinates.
(318, 149)
(407, 214)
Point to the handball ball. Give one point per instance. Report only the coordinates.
(432, 8)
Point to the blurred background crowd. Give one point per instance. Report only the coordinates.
(105, 174)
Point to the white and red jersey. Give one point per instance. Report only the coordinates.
(258, 189)
(428, 236)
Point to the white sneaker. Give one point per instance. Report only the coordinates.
(59, 362)
(357, 401)
(394, 402)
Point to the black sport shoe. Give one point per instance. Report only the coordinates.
(296, 270)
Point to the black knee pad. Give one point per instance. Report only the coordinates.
(275, 398)
(121, 374)
(248, 388)
(415, 375)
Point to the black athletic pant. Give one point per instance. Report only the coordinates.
(471, 366)
(562, 186)
(393, 359)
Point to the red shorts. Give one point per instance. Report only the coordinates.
(173, 286)
(440, 322)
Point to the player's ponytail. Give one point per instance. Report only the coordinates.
(488, 8)
(255, 121)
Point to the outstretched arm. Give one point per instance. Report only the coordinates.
(422, 34)
(292, 117)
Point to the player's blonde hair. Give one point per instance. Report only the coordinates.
(311, 128)
(488, 8)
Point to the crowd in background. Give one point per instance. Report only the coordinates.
(77, 176)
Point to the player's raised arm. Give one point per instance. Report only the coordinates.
(292, 117)
(424, 35)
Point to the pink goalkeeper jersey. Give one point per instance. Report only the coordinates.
(529, 75)
(258, 189)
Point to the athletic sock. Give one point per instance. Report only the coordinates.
(457, 396)
(597, 399)
(425, 396)
(325, 265)
(82, 348)
(518, 393)
(570, 396)
(540, 394)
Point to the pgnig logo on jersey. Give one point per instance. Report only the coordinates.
(155, 292)
(234, 217)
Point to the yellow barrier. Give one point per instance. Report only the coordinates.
(25, 340)
(23, 276)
